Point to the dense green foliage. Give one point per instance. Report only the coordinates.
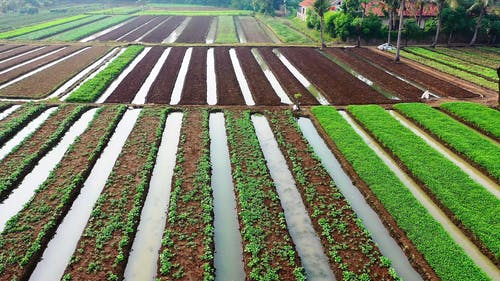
(474, 206)
(226, 31)
(93, 88)
(447, 258)
(284, 30)
(89, 29)
(17, 120)
(41, 26)
(484, 118)
(468, 56)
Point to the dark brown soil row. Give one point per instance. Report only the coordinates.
(27, 57)
(339, 87)
(164, 30)
(45, 82)
(195, 84)
(434, 84)
(143, 29)
(39, 219)
(128, 88)
(390, 83)
(39, 63)
(4, 48)
(262, 91)
(286, 79)
(117, 33)
(196, 31)
(109, 224)
(161, 90)
(228, 89)
(19, 50)
(253, 31)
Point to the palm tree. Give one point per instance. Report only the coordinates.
(392, 6)
(482, 5)
(320, 7)
(401, 18)
(452, 3)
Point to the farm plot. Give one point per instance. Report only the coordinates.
(45, 82)
(7, 48)
(15, 121)
(26, 56)
(483, 118)
(468, 56)
(493, 56)
(340, 87)
(434, 84)
(116, 34)
(195, 90)
(37, 27)
(163, 30)
(86, 30)
(226, 31)
(196, 31)
(252, 30)
(228, 89)
(141, 31)
(17, 51)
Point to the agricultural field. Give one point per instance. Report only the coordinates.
(184, 142)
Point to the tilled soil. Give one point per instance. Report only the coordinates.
(392, 84)
(27, 57)
(4, 48)
(253, 32)
(117, 33)
(339, 87)
(195, 84)
(262, 91)
(45, 82)
(196, 31)
(19, 50)
(434, 84)
(161, 90)
(128, 88)
(163, 30)
(228, 89)
(143, 29)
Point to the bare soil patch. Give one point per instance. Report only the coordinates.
(196, 31)
(19, 50)
(252, 30)
(228, 89)
(117, 33)
(163, 30)
(143, 29)
(28, 57)
(195, 85)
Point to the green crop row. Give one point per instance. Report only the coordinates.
(284, 31)
(118, 11)
(491, 49)
(480, 116)
(41, 26)
(193, 13)
(93, 88)
(54, 196)
(15, 170)
(461, 138)
(18, 119)
(89, 29)
(468, 56)
(448, 259)
(226, 31)
(471, 203)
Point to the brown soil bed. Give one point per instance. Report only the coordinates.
(434, 84)
(128, 88)
(122, 30)
(161, 90)
(108, 224)
(20, 117)
(196, 30)
(339, 87)
(5, 48)
(286, 79)
(19, 50)
(39, 63)
(45, 212)
(228, 89)
(27, 57)
(252, 30)
(195, 84)
(45, 82)
(392, 84)
(143, 29)
(164, 30)
(262, 91)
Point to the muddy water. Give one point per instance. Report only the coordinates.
(455, 233)
(177, 32)
(56, 257)
(122, 75)
(142, 262)
(14, 203)
(245, 90)
(371, 220)
(107, 30)
(472, 172)
(25, 132)
(140, 97)
(239, 30)
(22, 54)
(303, 80)
(181, 77)
(9, 111)
(228, 246)
(271, 78)
(306, 240)
(211, 79)
(212, 31)
(32, 60)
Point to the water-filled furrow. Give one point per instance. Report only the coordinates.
(239, 30)
(181, 77)
(212, 31)
(388, 246)
(55, 257)
(299, 224)
(142, 262)
(16, 200)
(242, 81)
(211, 79)
(140, 97)
(22, 54)
(271, 78)
(177, 32)
(9, 111)
(228, 245)
(32, 60)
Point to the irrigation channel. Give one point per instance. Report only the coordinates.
(388, 246)
(212, 31)
(9, 111)
(140, 97)
(306, 240)
(271, 78)
(245, 90)
(211, 79)
(181, 78)
(22, 194)
(142, 262)
(32, 60)
(458, 236)
(228, 245)
(22, 54)
(177, 32)
(56, 257)
(472, 172)
(239, 30)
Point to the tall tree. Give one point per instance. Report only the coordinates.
(440, 6)
(480, 5)
(401, 19)
(320, 7)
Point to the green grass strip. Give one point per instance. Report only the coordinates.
(89, 29)
(468, 56)
(465, 141)
(284, 32)
(94, 87)
(481, 116)
(448, 259)
(226, 31)
(28, 29)
(475, 207)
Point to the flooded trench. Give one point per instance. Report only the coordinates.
(228, 245)
(307, 242)
(140, 97)
(380, 235)
(181, 78)
(56, 257)
(239, 30)
(245, 90)
(142, 262)
(9, 111)
(271, 78)
(211, 78)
